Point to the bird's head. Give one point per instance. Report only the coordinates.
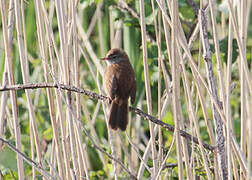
(115, 56)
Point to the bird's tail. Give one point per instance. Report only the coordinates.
(118, 117)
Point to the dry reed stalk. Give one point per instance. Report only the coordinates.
(185, 142)
(167, 84)
(111, 25)
(146, 155)
(88, 61)
(96, 146)
(218, 110)
(85, 109)
(158, 40)
(184, 45)
(176, 85)
(235, 168)
(182, 41)
(249, 140)
(100, 29)
(242, 21)
(65, 46)
(239, 155)
(32, 151)
(166, 157)
(5, 74)
(92, 128)
(245, 78)
(71, 54)
(228, 105)
(192, 116)
(71, 51)
(243, 59)
(31, 133)
(160, 134)
(166, 29)
(167, 79)
(53, 48)
(9, 56)
(97, 108)
(217, 52)
(212, 84)
(136, 151)
(89, 47)
(82, 161)
(234, 142)
(243, 88)
(51, 103)
(3, 108)
(147, 84)
(117, 43)
(204, 108)
(25, 76)
(136, 132)
(123, 147)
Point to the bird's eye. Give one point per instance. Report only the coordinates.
(113, 56)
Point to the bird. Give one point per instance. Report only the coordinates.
(120, 84)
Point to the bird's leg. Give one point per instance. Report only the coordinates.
(109, 100)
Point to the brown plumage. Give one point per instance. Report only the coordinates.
(120, 84)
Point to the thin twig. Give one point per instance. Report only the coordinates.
(94, 95)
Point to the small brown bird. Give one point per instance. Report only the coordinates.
(120, 84)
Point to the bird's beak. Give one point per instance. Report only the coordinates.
(105, 58)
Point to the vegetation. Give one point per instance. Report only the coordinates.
(192, 61)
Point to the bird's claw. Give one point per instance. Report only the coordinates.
(109, 100)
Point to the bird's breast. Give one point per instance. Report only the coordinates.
(124, 76)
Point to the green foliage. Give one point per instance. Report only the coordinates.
(224, 49)
(8, 159)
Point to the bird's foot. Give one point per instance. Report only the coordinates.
(109, 100)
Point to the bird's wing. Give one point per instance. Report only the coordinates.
(133, 91)
(111, 86)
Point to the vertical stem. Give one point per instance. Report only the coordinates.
(43, 50)
(8, 57)
(25, 75)
(243, 58)
(147, 83)
(80, 149)
(51, 43)
(5, 74)
(243, 82)
(65, 40)
(100, 29)
(217, 50)
(176, 86)
(228, 106)
(158, 40)
(212, 83)
(111, 25)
